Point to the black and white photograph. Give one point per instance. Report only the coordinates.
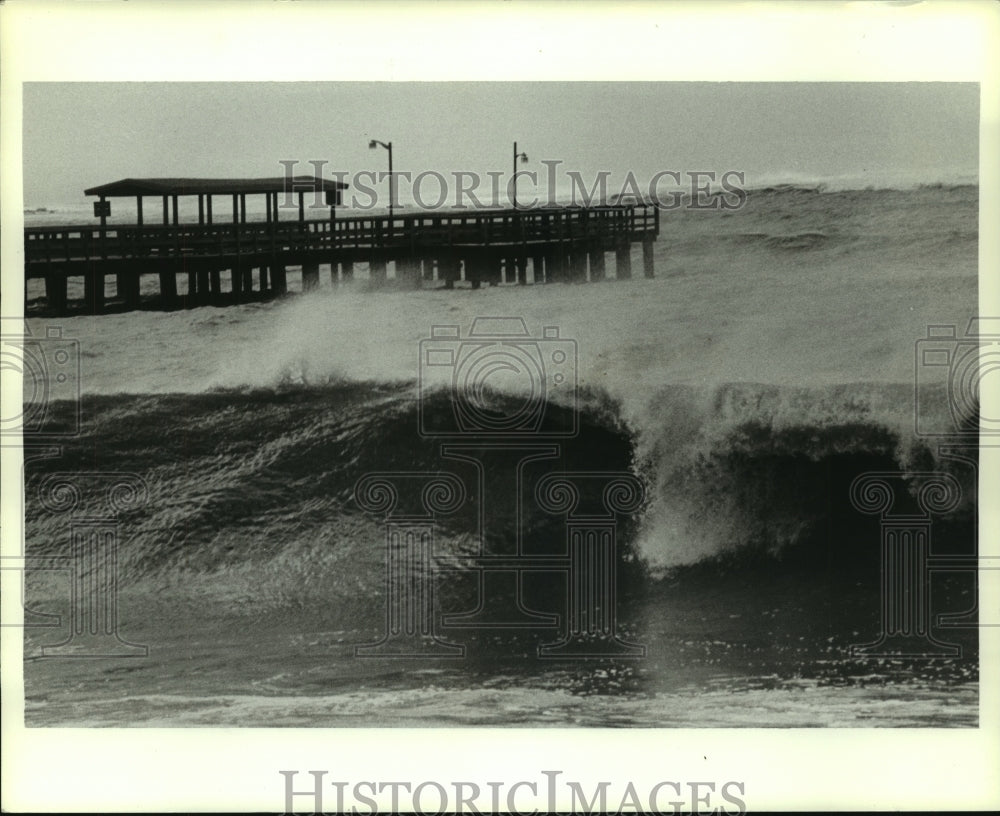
(376, 402)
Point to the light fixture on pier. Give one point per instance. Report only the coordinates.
(524, 160)
(374, 143)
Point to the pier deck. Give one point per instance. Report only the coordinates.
(479, 247)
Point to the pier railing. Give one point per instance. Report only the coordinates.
(45, 246)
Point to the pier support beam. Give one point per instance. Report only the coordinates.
(346, 271)
(55, 291)
(168, 287)
(121, 285)
(204, 293)
(408, 272)
(279, 280)
(192, 294)
(509, 274)
(623, 261)
(474, 268)
(262, 279)
(492, 269)
(549, 266)
(236, 283)
(521, 269)
(483, 268)
(310, 277)
(449, 271)
(128, 283)
(537, 269)
(555, 265)
(578, 266)
(597, 271)
(376, 271)
(647, 259)
(215, 282)
(93, 291)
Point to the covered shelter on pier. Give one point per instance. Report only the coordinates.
(171, 189)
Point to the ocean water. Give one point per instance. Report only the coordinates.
(771, 362)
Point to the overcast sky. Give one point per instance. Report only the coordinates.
(78, 135)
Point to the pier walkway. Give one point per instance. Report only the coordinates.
(225, 263)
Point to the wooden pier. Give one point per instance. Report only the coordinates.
(227, 263)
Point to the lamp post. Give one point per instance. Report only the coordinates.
(524, 159)
(388, 146)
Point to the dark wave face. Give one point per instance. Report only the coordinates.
(271, 468)
(747, 474)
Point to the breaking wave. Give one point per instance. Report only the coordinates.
(262, 481)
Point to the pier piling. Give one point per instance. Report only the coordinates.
(168, 287)
(521, 268)
(279, 279)
(555, 264)
(408, 272)
(55, 290)
(647, 259)
(204, 292)
(623, 260)
(449, 271)
(236, 284)
(310, 276)
(121, 285)
(130, 288)
(475, 271)
(537, 269)
(597, 271)
(376, 271)
(93, 291)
